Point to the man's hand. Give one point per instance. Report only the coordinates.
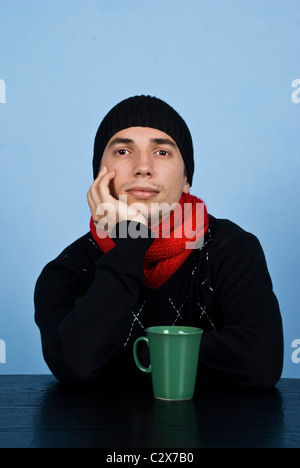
(106, 210)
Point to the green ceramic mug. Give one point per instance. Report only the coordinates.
(174, 355)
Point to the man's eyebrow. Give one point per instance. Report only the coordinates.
(164, 141)
(118, 141)
(156, 141)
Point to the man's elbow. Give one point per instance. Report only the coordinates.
(267, 372)
(77, 377)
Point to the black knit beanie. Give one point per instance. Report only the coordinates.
(145, 111)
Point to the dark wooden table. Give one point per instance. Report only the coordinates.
(37, 411)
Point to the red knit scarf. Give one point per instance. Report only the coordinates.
(167, 254)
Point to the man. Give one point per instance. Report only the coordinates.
(101, 292)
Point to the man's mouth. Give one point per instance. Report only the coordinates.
(142, 192)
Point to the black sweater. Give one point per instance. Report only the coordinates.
(90, 307)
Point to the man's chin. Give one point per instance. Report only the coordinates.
(142, 207)
(154, 210)
(155, 213)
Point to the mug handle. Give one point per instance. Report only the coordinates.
(147, 370)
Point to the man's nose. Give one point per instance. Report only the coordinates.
(143, 164)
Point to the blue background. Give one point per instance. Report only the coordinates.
(226, 65)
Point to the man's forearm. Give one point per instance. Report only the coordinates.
(85, 332)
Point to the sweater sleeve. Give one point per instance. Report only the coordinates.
(84, 324)
(248, 349)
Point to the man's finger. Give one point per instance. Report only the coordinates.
(104, 191)
(101, 173)
(94, 189)
(91, 202)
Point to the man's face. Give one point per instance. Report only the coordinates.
(148, 165)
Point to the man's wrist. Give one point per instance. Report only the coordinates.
(130, 229)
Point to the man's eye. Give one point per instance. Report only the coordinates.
(163, 152)
(122, 152)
